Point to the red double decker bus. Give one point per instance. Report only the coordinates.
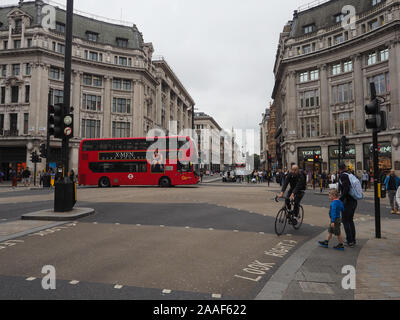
(158, 161)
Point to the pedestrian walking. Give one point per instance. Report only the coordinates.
(1, 176)
(350, 205)
(365, 180)
(392, 183)
(26, 177)
(335, 211)
(14, 178)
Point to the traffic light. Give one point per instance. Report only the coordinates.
(56, 121)
(43, 151)
(378, 120)
(317, 158)
(35, 157)
(344, 142)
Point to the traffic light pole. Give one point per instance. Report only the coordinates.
(67, 79)
(48, 136)
(376, 185)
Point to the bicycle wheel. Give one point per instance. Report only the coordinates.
(300, 218)
(280, 222)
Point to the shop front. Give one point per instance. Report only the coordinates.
(306, 161)
(349, 159)
(12, 158)
(385, 157)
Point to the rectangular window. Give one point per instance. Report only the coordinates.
(308, 29)
(310, 127)
(339, 39)
(97, 81)
(90, 129)
(26, 122)
(372, 58)
(375, 2)
(123, 61)
(121, 105)
(121, 129)
(342, 93)
(60, 48)
(382, 83)
(5, 44)
(344, 123)
(60, 27)
(304, 77)
(314, 75)
(336, 69)
(3, 95)
(123, 43)
(91, 36)
(339, 17)
(117, 84)
(93, 56)
(87, 79)
(16, 69)
(29, 43)
(54, 73)
(127, 85)
(348, 66)
(372, 25)
(384, 55)
(27, 93)
(14, 94)
(28, 69)
(4, 70)
(17, 44)
(306, 49)
(1, 124)
(91, 102)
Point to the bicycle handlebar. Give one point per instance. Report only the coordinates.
(285, 198)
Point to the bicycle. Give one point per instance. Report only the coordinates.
(284, 215)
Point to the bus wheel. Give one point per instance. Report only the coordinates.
(104, 182)
(165, 182)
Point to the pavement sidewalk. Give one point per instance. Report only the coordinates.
(315, 273)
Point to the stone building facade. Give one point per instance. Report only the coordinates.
(324, 65)
(118, 88)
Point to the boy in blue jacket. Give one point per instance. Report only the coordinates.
(335, 213)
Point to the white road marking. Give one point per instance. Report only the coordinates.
(187, 227)
(261, 233)
(118, 286)
(74, 282)
(138, 225)
(117, 224)
(30, 279)
(162, 226)
(216, 296)
(166, 291)
(235, 230)
(211, 229)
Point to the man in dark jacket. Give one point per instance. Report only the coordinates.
(350, 205)
(298, 184)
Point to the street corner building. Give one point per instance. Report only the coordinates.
(118, 88)
(324, 65)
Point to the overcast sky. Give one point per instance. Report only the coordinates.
(223, 51)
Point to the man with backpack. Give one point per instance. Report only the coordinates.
(351, 191)
(392, 183)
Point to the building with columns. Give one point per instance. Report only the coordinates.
(267, 139)
(324, 66)
(118, 89)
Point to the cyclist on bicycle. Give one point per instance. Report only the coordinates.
(298, 184)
